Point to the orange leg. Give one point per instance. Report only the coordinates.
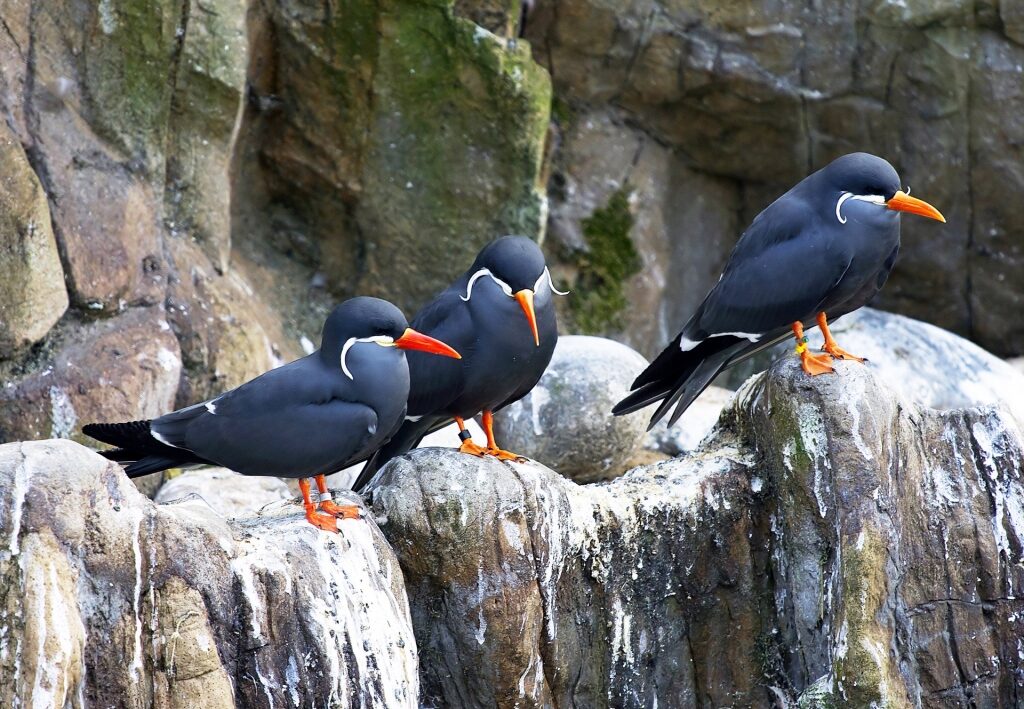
(492, 447)
(324, 522)
(328, 506)
(812, 364)
(831, 346)
(467, 441)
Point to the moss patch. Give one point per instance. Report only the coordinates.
(611, 258)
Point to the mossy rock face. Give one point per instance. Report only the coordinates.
(609, 259)
(128, 55)
(389, 142)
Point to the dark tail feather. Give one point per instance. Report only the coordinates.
(137, 449)
(123, 435)
(405, 439)
(676, 378)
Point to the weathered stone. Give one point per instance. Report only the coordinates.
(109, 600)
(121, 369)
(829, 545)
(401, 135)
(918, 362)
(566, 422)
(228, 494)
(32, 292)
(745, 99)
(206, 110)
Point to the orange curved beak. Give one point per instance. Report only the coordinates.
(525, 298)
(902, 202)
(412, 340)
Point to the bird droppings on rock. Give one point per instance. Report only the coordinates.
(175, 605)
(781, 559)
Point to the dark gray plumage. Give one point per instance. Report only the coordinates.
(825, 247)
(482, 315)
(309, 418)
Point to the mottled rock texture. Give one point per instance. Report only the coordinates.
(107, 599)
(566, 422)
(705, 112)
(232, 169)
(830, 545)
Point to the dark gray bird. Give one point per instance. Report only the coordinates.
(500, 315)
(823, 249)
(309, 418)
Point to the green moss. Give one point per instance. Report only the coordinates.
(611, 258)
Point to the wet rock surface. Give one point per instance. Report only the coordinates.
(107, 599)
(830, 542)
(566, 421)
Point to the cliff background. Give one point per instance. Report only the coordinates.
(188, 186)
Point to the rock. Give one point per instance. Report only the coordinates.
(691, 428)
(706, 113)
(919, 362)
(402, 135)
(109, 599)
(227, 493)
(829, 543)
(114, 370)
(566, 421)
(32, 292)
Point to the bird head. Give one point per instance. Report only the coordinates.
(372, 321)
(516, 265)
(870, 186)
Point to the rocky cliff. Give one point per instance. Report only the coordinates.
(831, 543)
(215, 175)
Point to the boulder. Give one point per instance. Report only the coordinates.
(107, 599)
(919, 362)
(120, 369)
(830, 543)
(32, 292)
(566, 421)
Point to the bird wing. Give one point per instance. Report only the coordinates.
(293, 441)
(783, 266)
(782, 269)
(434, 382)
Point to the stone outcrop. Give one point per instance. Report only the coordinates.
(566, 422)
(107, 599)
(233, 169)
(32, 292)
(703, 113)
(830, 544)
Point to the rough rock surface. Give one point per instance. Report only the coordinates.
(234, 164)
(830, 545)
(923, 363)
(107, 599)
(566, 421)
(705, 112)
(32, 292)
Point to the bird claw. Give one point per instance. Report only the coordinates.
(816, 364)
(341, 511)
(471, 448)
(505, 455)
(322, 522)
(838, 352)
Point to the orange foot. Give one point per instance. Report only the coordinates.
(816, 364)
(324, 522)
(472, 448)
(504, 455)
(838, 352)
(340, 511)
